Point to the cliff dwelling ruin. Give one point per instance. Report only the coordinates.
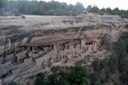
(37, 43)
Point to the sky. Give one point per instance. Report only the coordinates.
(121, 4)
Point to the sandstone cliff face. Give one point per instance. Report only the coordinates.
(36, 43)
(15, 29)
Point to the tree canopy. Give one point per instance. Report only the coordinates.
(35, 7)
(109, 11)
(40, 7)
(75, 76)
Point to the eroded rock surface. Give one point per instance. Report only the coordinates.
(35, 44)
